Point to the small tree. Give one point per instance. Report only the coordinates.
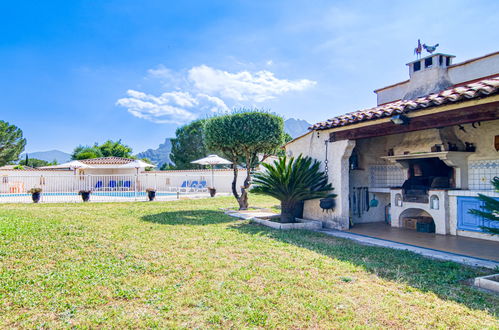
(86, 152)
(107, 149)
(188, 145)
(34, 162)
(12, 143)
(490, 209)
(240, 136)
(115, 149)
(292, 180)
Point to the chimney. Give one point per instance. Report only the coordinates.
(428, 75)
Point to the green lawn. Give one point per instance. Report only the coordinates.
(185, 264)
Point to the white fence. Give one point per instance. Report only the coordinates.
(64, 187)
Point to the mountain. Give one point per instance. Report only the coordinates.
(160, 155)
(49, 156)
(296, 127)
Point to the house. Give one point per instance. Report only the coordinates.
(419, 158)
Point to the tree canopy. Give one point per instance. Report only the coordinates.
(107, 149)
(34, 162)
(12, 142)
(188, 145)
(240, 136)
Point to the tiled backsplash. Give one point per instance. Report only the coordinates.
(385, 176)
(481, 172)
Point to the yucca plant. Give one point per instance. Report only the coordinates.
(292, 180)
(490, 210)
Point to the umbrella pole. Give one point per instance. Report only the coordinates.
(212, 177)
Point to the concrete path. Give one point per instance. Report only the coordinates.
(250, 214)
(436, 254)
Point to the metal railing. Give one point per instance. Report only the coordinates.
(106, 188)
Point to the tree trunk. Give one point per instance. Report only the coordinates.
(243, 199)
(234, 182)
(287, 212)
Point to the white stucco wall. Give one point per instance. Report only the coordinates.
(313, 145)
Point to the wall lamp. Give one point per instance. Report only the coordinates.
(400, 120)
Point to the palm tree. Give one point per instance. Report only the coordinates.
(490, 210)
(292, 180)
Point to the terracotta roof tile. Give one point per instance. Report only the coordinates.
(107, 161)
(485, 87)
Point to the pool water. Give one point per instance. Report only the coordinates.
(97, 193)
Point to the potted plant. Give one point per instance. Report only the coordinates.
(212, 191)
(35, 194)
(85, 195)
(292, 180)
(151, 194)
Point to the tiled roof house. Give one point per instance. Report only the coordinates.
(424, 152)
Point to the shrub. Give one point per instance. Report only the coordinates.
(292, 180)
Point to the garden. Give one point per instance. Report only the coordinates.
(186, 264)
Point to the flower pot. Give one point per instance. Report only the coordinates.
(212, 191)
(151, 195)
(85, 196)
(35, 197)
(327, 203)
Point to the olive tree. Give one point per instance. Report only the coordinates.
(240, 137)
(12, 142)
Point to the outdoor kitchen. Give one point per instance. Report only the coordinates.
(416, 162)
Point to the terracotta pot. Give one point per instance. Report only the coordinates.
(212, 191)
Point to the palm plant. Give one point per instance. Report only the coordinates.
(490, 210)
(292, 180)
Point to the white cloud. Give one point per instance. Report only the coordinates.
(205, 90)
(244, 86)
(170, 107)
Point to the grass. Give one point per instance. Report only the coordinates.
(184, 264)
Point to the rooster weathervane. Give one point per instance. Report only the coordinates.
(418, 50)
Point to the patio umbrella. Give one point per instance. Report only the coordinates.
(136, 164)
(72, 165)
(212, 160)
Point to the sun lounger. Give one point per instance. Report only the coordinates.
(112, 184)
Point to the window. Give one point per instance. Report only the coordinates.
(417, 66)
(428, 62)
(440, 60)
(447, 61)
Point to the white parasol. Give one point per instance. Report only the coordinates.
(136, 164)
(212, 160)
(72, 165)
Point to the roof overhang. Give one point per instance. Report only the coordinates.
(483, 109)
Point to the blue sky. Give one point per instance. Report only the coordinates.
(77, 72)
